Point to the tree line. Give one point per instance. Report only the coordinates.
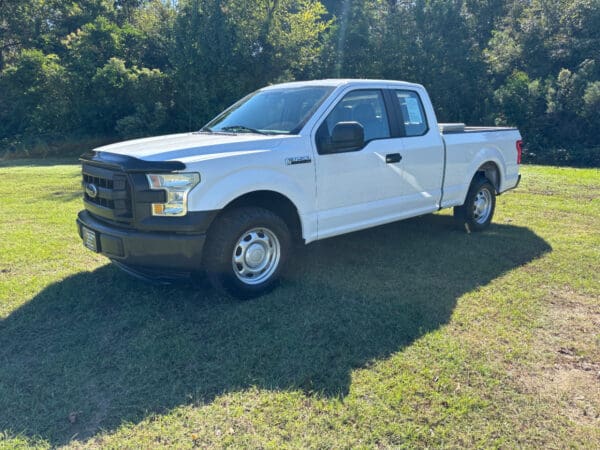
(77, 73)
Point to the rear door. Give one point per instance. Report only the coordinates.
(422, 165)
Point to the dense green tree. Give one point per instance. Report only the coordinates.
(148, 38)
(555, 47)
(123, 68)
(93, 45)
(129, 101)
(34, 105)
(428, 41)
(224, 49)
(21, 26)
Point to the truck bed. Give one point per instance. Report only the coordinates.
(468, 144)
(456, 128)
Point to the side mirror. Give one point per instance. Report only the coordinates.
(347, 137)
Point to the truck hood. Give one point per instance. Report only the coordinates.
(190, 147)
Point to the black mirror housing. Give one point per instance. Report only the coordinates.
(347, 136)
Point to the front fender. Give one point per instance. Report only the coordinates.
(221, 192)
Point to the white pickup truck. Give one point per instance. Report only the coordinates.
(297, 161)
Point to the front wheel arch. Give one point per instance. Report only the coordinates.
(246, 250)
(275, 202)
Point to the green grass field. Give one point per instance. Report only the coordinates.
(413, 334)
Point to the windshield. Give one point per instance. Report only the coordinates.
(273, 111)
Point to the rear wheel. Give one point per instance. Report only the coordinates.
(479, 206)
(245, 251)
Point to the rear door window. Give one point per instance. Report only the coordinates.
(413, 114)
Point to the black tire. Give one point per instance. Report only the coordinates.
(479, 206)
(254, 237)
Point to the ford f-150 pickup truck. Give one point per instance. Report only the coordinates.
(298, 161)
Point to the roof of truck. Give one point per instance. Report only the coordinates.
(336, 82)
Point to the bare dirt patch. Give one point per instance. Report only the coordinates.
(570, 373)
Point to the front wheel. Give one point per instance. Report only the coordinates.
(479, 206)
(245, 251)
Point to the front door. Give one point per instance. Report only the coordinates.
(357, 189)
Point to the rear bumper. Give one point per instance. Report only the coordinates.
(152, 253)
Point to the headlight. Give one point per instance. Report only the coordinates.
(177, 187)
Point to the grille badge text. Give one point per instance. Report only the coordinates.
(297, 160)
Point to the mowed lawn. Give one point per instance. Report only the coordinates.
(414, 334)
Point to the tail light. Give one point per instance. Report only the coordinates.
(519, 151)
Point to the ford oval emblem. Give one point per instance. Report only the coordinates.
(91, 190)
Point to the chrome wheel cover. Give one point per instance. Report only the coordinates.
(256, 256)
(482, 206)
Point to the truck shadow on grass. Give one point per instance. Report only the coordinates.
(108, 349)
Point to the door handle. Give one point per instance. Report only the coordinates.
(391, 158)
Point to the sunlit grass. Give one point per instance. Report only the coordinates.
(411, 334)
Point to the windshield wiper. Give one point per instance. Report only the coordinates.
(242, 129)
(211, 131)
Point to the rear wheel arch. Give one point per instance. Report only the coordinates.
(477, 211)
(491, 172)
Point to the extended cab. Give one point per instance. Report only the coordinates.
(296, 161)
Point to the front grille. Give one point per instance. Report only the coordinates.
(111, 193)
(100, 182)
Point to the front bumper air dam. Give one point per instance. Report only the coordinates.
(153, 255)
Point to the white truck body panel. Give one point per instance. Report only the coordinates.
(466, 152)
(341, 192)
